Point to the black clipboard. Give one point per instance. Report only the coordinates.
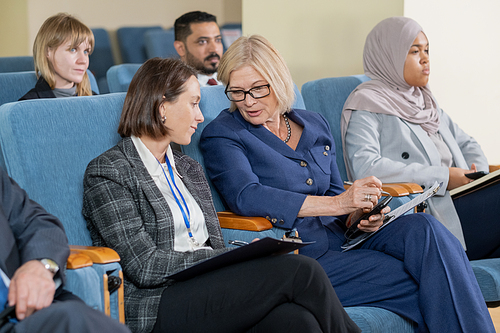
(258, 249)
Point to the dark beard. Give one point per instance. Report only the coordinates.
(199, 66)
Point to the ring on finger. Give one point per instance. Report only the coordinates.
(368, 197)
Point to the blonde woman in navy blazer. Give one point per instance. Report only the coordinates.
(414, 267)
(130, 210)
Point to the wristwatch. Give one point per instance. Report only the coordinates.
(50, 265)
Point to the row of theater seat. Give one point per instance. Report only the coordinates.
(61, 136)
(136, 44)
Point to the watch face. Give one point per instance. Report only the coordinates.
(50, 265)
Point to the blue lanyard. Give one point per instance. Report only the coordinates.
(187, 217)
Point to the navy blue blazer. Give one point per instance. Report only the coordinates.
(257, 174)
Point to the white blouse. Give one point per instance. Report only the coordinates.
(182, 242)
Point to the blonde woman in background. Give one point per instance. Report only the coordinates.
(61, 54)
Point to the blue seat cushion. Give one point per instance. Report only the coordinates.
(377, 320)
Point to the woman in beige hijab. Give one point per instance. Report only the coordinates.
(393, 128)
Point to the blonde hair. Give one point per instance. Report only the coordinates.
(54, 31)
(258, 52)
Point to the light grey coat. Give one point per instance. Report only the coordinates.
(395, 150)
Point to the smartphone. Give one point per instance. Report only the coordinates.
(476, 175)
(353, 229)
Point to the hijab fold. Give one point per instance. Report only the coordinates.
(384, 57)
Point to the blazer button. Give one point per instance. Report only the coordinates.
(303, 163)
(327, 147)
(405, 155)
(268, 218)
(309, 181)
(274, 220)
(282, 222)
(325, 153)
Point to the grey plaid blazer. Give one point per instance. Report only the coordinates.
(127, 212)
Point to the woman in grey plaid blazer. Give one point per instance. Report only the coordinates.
(160, 225)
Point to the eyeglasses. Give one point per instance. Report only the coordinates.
(255, 92)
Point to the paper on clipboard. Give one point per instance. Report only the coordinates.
(351, 243)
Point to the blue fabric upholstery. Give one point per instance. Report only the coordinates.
(160, 43)
(16, 64)
(120, 76)
(328, 96)
(372, 320)
(230, 32)
(131, 42)
(101, 58)
(46, 146)
(15, 85)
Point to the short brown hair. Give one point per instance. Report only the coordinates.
(156, 81)
(53, 32)
(259, 53)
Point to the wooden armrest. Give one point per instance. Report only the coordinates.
(494, 167)
(230, 220)
(398, 189)
(98, 255)
(78, 260)
(412, 188)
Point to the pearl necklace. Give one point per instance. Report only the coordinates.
(289, 131)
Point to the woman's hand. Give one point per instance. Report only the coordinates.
(457, 177)
(372, 224)
(363, 193)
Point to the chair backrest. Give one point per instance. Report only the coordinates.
(327, 96)
(230, 32)
(131, 42)
(15, 85)
(212, 102)
(47, 145)
(160, 43)
(16, 64)
(101, 58)
(120, 76)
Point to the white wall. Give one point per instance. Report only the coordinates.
(318, 38)
(465, 63)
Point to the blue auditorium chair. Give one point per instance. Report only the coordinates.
(120, 76)
(327, 96)
(46, 145)
(101, 58)
(160, 43)
(16, 64)
(131, 42)
(15, 85)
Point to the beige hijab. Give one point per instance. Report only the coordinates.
(384, 56)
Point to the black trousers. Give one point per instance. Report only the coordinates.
(67, 314)
(478, 212)
(289, 293)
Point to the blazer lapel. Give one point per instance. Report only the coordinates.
(425, 140)
(150, 190)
